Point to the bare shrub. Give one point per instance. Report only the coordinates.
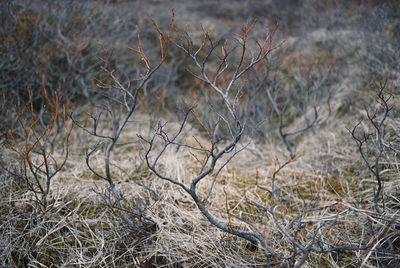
(33, 142)
(376, 147)
(289, 96)
(230, 96)
(216, 152)
(119, 101)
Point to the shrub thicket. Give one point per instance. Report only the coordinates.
(134, 140)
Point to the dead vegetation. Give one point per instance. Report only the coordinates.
(156, 141)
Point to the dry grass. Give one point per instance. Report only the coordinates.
(326, 190)
(76, 231)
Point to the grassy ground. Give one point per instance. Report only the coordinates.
(326, 191)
